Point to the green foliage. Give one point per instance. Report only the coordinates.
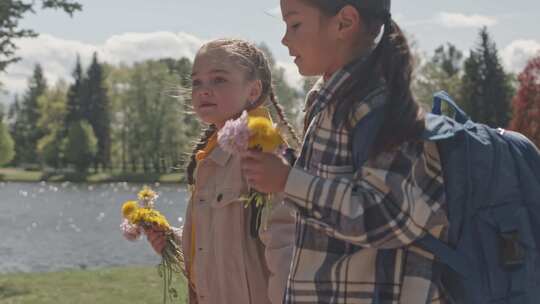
(97, 110)
(440, 72)
(75, 96)
(140, 116)
(151, 129)
(449, 59)
(81, 145)
(52, 106)
(25, 116)
(486, 90)
(11, 12)
(7, 146)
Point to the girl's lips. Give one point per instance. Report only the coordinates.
(206, 105)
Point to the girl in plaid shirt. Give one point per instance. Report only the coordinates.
(365, 185)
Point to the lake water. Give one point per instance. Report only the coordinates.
(50, 227)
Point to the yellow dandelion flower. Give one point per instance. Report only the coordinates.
(128, 208)
(140, 215)
(264, 135)
(147, 194)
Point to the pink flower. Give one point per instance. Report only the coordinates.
(234, 136)
(129, 231)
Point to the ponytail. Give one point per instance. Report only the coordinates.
(391, 61)
(403, 117)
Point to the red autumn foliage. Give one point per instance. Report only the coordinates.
(526, 103)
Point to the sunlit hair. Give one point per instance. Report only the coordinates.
(257, 67)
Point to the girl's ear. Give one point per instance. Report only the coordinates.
(348, 20)
(255, 91)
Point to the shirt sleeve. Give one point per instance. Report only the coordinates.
(390, 202)
(278, 238)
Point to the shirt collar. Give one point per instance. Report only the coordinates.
(323, 91)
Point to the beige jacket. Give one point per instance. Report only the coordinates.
(229, 265)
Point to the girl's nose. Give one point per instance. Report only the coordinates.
(285, 40)
(205, 91)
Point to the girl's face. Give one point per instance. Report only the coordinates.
(220, 90)
(310, 37)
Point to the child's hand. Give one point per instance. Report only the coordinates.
(156, 238)
(266, 172)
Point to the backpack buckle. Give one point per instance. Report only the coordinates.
(512, 252)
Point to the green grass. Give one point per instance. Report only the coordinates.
(133, 285)
(19, 175)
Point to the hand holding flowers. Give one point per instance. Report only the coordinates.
(141, 217)
(254, 137)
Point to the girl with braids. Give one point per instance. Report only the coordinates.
(366, 186)
(226, 262)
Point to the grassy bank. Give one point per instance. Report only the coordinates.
(19, 175)
(133, 285)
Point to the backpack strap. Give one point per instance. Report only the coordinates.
(445, 254)
(440, 97)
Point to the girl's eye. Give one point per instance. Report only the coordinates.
(195, 83)
(295, 26)
(219, 80)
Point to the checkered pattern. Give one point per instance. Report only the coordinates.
(355, 227)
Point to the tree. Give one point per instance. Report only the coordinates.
(11, 12)
(117, 82)
(526, 103)
(7, 146)
(81, 145)
(75, 96)
(449, 58)
(440, 72)
(26, 132)
(150, 123)
(487, 89)
(52, 106)
(97, 111)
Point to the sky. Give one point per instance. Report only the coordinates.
(134, 30)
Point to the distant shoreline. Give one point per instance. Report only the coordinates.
(24, 176)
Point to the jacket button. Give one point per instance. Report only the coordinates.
(219, 197)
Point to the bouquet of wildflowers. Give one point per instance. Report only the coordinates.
(257, 133)
(140, 216)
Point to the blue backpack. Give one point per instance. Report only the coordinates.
(492, 180)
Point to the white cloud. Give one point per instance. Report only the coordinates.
(132, 47)
(517, 53)
(450, 20)
(458, 20)
(57, 56)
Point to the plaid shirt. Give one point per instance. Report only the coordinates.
(355, 227)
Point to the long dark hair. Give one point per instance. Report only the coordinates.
(258, 68)
(392, 61)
